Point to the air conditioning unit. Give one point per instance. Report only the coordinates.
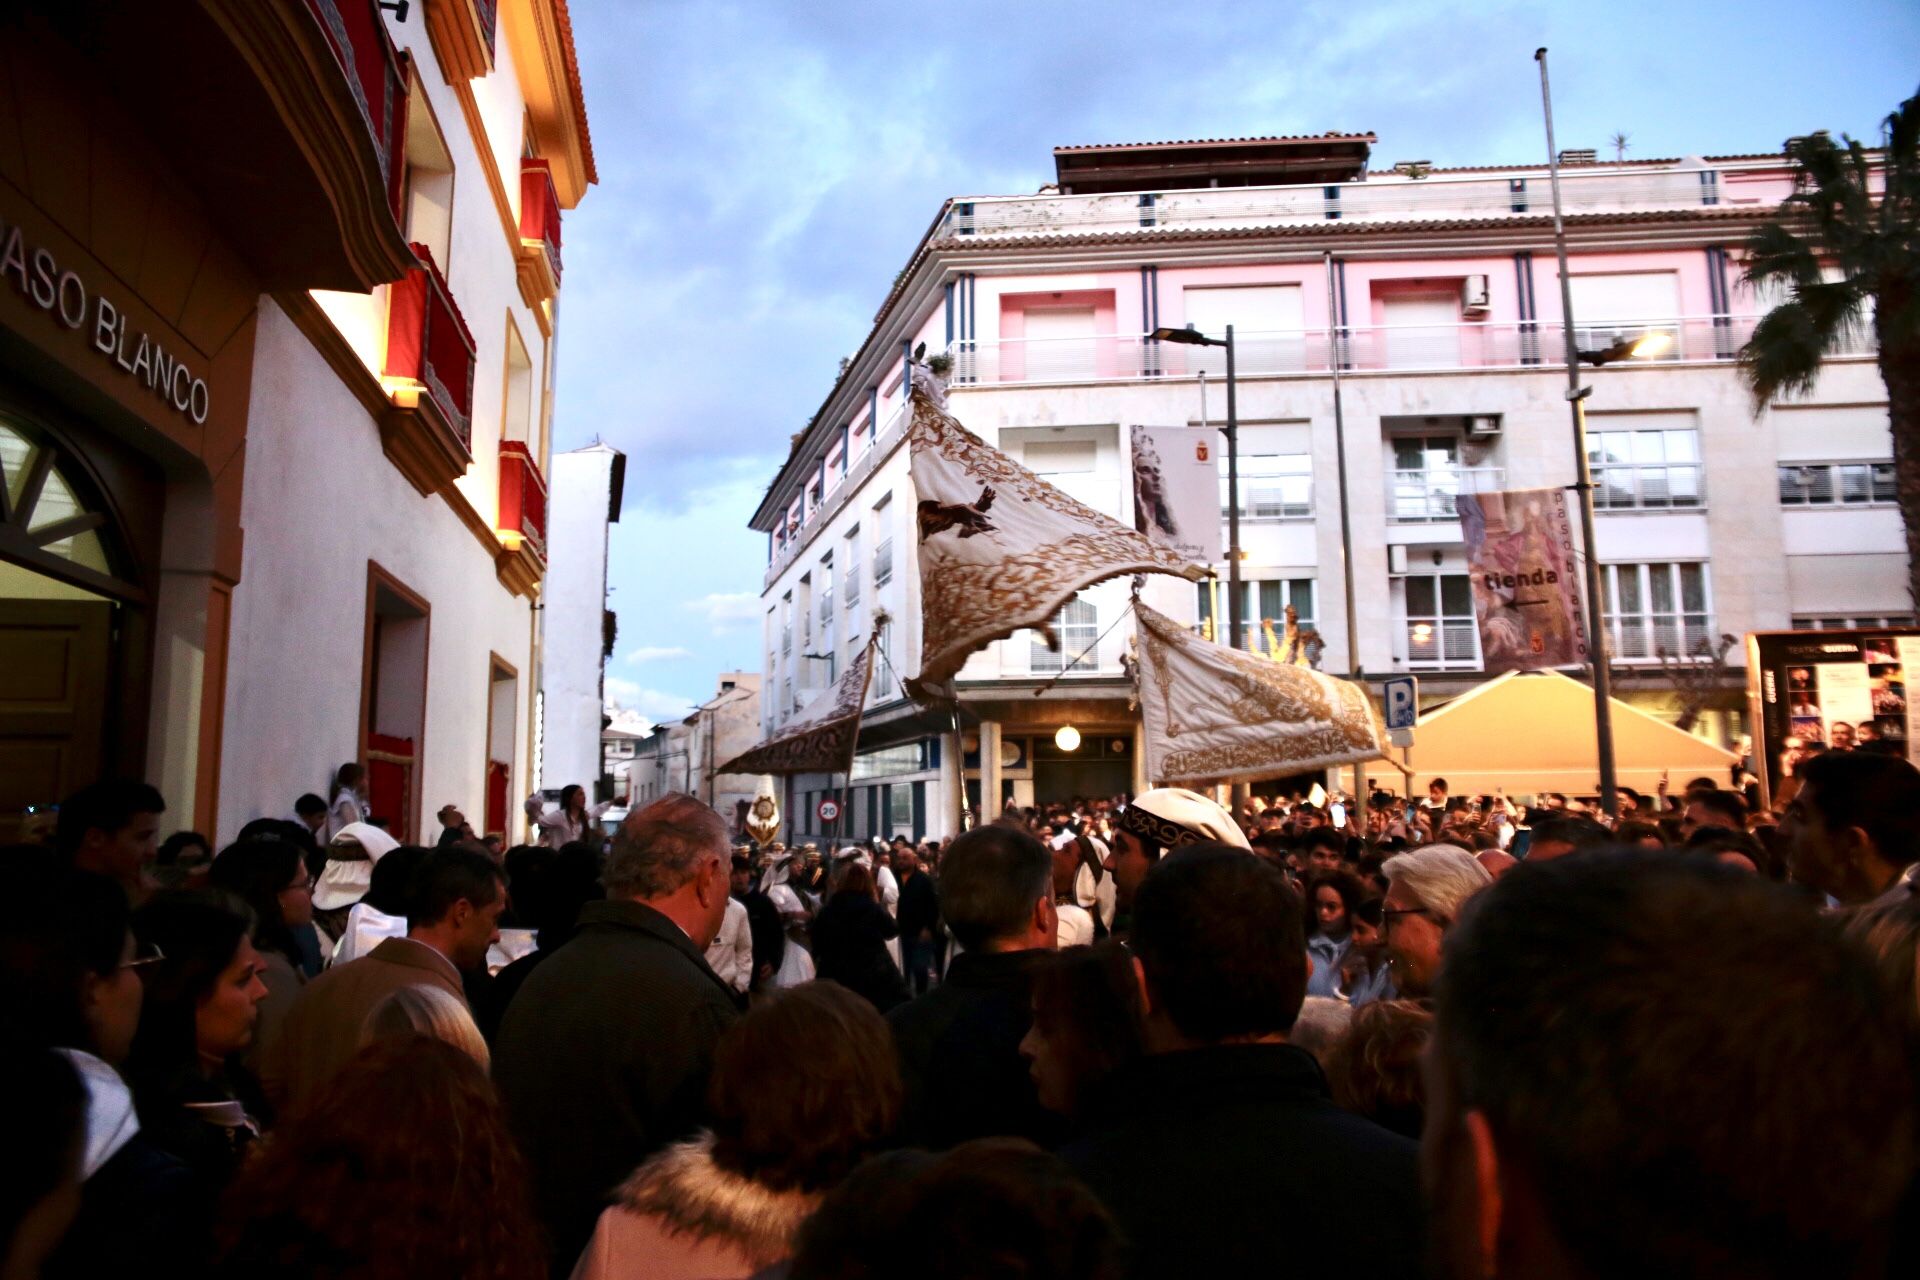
(1483, 427)
(1474, 297)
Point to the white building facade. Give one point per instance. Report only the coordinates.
(396, 502)
(577, 629)
(1437, 296)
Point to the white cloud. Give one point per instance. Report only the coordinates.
(726, 611)
(658, 653)
(654, 704)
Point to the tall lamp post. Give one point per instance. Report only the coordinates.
(1192, 337)
(1646, 345)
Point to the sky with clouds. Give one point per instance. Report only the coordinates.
(766, 169)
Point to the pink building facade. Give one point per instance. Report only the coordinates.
(1437, 296)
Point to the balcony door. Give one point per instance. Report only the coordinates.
(1060, 344)
(1422, 330)
(1426, 476)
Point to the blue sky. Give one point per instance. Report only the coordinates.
(766, 169)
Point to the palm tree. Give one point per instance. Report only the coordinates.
(1833, 218)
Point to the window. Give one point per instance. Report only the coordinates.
(1077, 626)
(1870, 623)
(517, 414)
(826, 595)
(428, 199)
(1260, 603)
(1427, 475)
(1272, 486)
(1837, 484)
(1645, 470)
(900, 805)
(1610, 306)
(1436, 611)
(883, 562)
(1267, 325)
(786, 623)
(1651, 609)
(853, 563)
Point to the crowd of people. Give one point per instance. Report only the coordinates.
(1118, 1037)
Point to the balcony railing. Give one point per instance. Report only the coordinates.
(464, 33)
(1426, 495)
(1647, 486)
(428, 343)
(1376, 200)
(523, 495)
(889, 435)
(1468, 345)
(540, 210)
(1643, 637)
(360, 41)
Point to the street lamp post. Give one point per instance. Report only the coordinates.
(1577, 401)
(1236, 626)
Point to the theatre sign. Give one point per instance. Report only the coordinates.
(63, 294)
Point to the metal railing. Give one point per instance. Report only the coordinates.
(523, 495)
(428, 342)
(540, 209)
(1426, 495)
(1442, 643)
(1648, 486)
(1642, 637)
(1837, 484)
(1521, 194)
(1510, 344)
(890, 434)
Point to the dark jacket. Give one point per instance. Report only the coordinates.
(1231, 1160)
(602, 1059)
(850, 947)
(139, 1216)
(919, 905)
(960, 1055)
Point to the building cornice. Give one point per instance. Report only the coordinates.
(540, 33)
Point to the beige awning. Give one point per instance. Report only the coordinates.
(1531, 732)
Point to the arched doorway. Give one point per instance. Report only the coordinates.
(73, 610)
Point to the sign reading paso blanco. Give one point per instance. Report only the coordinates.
(61, 293)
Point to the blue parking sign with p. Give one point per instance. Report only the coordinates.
(1403, 701)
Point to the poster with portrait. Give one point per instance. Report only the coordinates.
(1525, 594)
(1817, 691)
(1176, 489)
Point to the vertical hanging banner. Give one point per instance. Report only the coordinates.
(1526, 595)
(1176, 489)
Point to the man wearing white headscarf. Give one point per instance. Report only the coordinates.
(1159, 821)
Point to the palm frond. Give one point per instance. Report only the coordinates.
(1783, 356)
(1777, 254)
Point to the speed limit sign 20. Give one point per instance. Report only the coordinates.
(829, 810)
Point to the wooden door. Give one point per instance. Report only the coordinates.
(53, 697)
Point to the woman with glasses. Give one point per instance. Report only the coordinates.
(271, 877)
(70, 981)
(202, 999)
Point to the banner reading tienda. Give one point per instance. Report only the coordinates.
(1525, 593)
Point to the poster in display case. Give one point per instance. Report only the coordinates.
(1814, 691)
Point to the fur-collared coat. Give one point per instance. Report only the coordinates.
(682, 1217)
